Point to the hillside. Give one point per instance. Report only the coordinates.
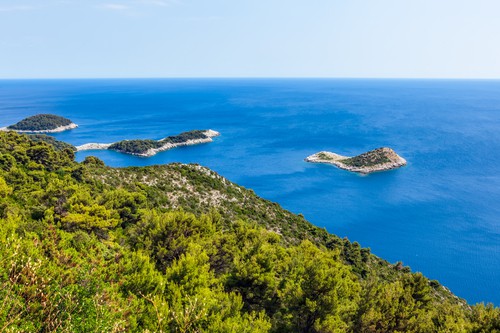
(43, 123)
(178, 248)
(56, 144)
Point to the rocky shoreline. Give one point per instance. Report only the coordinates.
(151, 152)
(93, 146)
(55, 130)
(381, 159)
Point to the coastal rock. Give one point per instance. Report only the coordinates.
(208, 133)
(380, 159)
(55, 130)
(93, 146)
(136, 147)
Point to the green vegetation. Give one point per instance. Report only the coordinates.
(324, 156)
(177, 248)
(371, 158)
(139, 147)
(58, 145)
(185, 136)
(40, 122)
(135, 146)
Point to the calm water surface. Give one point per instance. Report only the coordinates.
(440, 215)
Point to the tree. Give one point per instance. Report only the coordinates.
(320, 293)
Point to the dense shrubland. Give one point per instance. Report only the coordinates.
(56, 144)
(40, 122)
(177, 248)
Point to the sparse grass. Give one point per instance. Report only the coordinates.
(325, 157)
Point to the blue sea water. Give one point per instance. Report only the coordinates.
(440, 214)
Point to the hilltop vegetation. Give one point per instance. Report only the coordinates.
(40, 122)
(371, 158)
(178, 248)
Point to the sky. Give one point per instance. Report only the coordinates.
(250, 38)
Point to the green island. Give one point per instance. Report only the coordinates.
(42, 123)
(380, 159)
(178, 248)
(147, 148)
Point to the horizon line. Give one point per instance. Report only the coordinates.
(249, 78)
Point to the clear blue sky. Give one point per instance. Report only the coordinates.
(250, 38)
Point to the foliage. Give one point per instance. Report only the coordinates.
(139, 147)
(371, 158)
(84, 247)
(40, 122)
(185, 136)
(135, 146)
(324, 156)
(58, 145)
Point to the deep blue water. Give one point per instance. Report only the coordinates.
(440, 214)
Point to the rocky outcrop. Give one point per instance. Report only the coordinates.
(93, 146)
(380, 159)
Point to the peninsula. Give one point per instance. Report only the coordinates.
(42, 123)
(380, 159)
(147, 148)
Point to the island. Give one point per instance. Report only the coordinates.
(380, 159)
(147, 148)
(42, 123)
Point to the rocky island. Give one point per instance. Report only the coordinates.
(42, 123)
(380, 159)
(147, 148)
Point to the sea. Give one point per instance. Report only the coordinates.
(440, 214)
